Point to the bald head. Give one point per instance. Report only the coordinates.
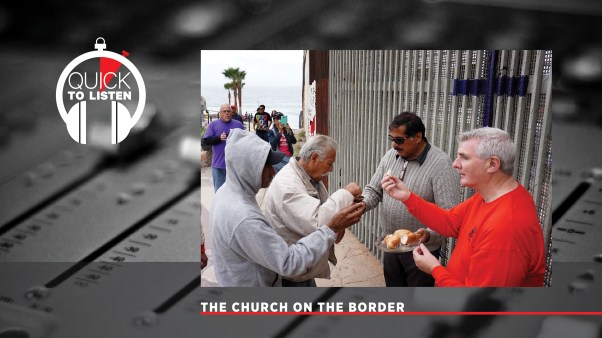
(225, 113)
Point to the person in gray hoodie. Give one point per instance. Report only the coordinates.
(246, 250)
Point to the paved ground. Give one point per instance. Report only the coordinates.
(356, 265)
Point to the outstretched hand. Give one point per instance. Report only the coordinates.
(346, 217)
(395, 188)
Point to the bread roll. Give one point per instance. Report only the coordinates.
(402, 232)
(407, 237)
(411, 239)
(392, 241)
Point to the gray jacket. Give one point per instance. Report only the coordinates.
(246, 250)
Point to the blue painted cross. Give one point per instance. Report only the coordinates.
(500, 85)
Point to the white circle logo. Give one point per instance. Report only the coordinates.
(111, 82)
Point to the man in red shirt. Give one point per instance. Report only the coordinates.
(500, 241)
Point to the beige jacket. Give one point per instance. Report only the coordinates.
(295, 209)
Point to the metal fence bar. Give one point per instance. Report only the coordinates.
(543, 186)
(427, 90)
(436, 111)
(477, 107)
(360, 71)
(454, 105)
(533, 109)
(372, 122)
(446, 79)
(465, 73)
(522, 120)
(422, 98)
(501, 99)
(402, 82)
(359, 68)
(510, 104)
(412, 75)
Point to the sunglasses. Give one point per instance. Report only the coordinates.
(398, 140)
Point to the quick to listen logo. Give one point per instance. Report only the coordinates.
(112, 80)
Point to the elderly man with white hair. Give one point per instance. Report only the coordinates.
(500, 241)
(297, 201)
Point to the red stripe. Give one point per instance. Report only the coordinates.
(423, 313)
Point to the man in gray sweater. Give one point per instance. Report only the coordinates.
(246, 250)
(428, 171)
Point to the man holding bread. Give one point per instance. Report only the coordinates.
(500, 241)
(427, 170)
(297, 202)
(246, 250)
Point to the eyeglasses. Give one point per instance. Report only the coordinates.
(398, 140)
(226, 111)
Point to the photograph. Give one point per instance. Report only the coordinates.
(408, 168)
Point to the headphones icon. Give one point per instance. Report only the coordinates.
(121, 120)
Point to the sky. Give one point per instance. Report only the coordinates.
(263, 67)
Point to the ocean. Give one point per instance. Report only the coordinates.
(285, 99)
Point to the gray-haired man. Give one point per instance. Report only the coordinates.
(246, 250)
(500, 242)
(297, 202)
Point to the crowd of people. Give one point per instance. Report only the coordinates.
(289, 240)
(268, 127)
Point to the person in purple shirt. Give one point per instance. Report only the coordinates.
(215, 136)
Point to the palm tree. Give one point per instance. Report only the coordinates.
(236, 76)
(242, 84)
(230, 73)
(228, 86)
(239, 77)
